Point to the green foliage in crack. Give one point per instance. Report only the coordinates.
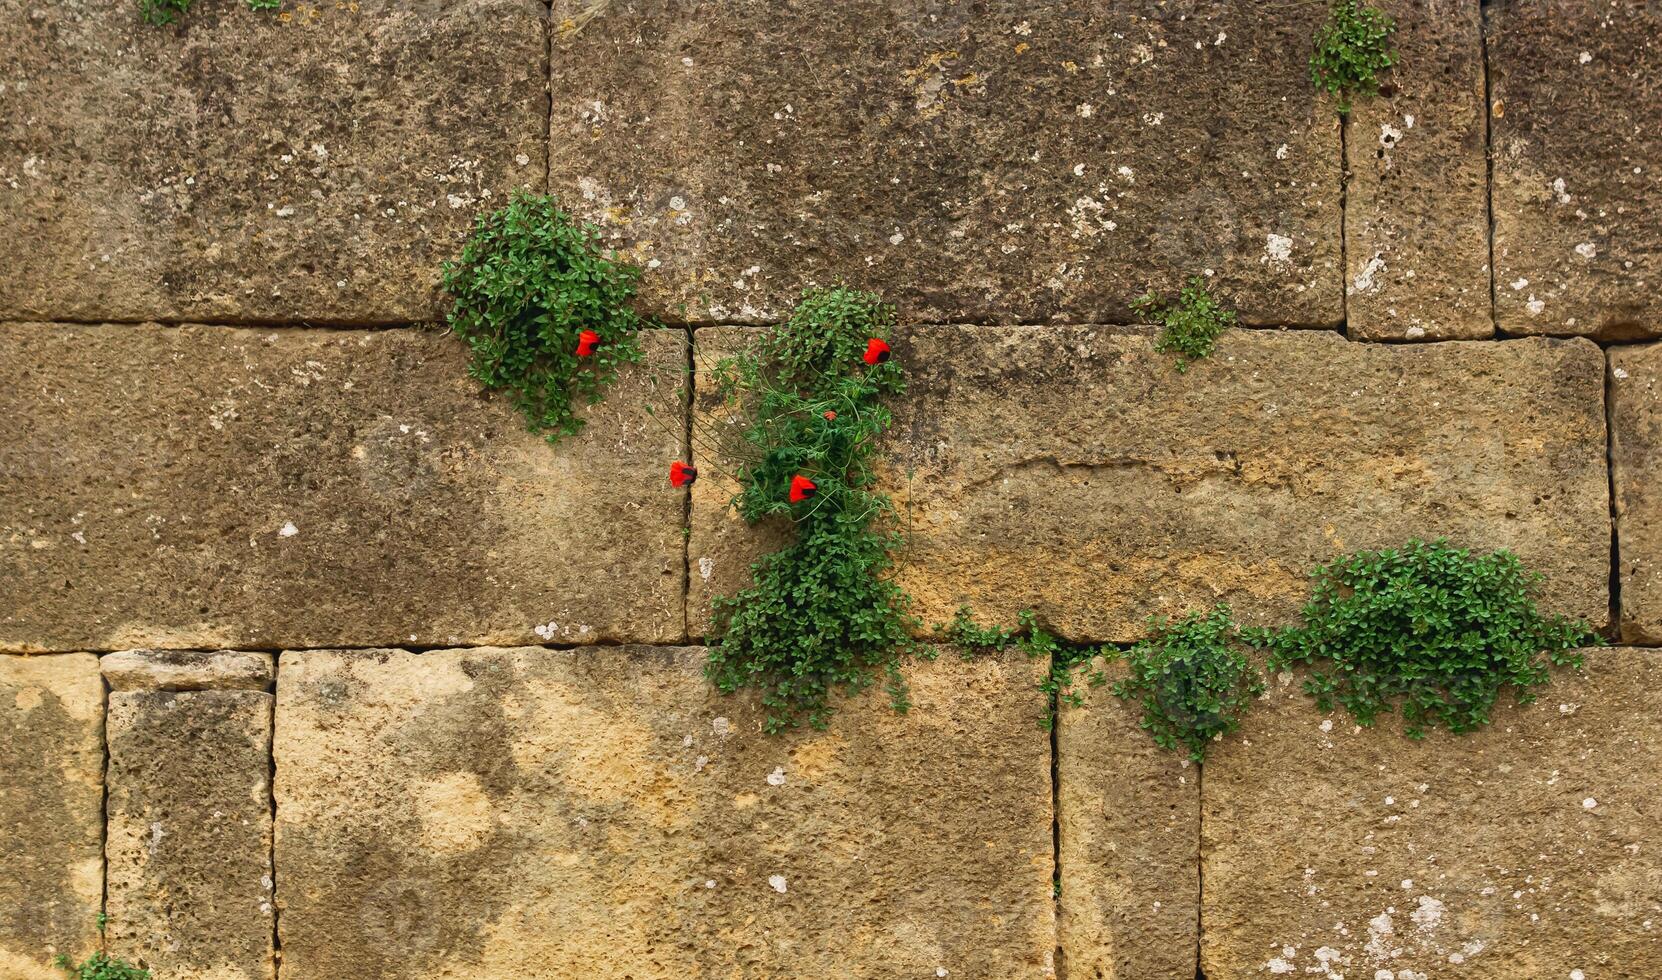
(168, 11)
(823, 614)
(101, 966)
(545, 310)
(1436, 628)
(1067, 661)
(1190, 326)
(1192, 678)
(1352, 48)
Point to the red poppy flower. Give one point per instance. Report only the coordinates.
(682, 475)
(830, 416)
(876, 352)
(802, 488)
(587, 341)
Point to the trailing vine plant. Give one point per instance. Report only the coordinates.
(168, 11)
(1066, 660)
(1192, 678)
(101, 966)
(1190, 325)
(1351, 49)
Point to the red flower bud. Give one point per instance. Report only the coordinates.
(802, 488)
(876, 352)
(682, 475)
(587, 341)
(830, 416)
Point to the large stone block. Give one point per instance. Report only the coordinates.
(189, 850)
(317, 163)
(605, 813)
(216, 488)
(1072, 470)
(1523, 850)
(995, 161)
(1128, 820)
(1417, 201)
(51, 812)
(1636, 462)
(1577, 188)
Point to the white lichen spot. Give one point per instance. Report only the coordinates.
(777, 883)
(522, 159)
(1327, 724)
(940, 971)
(721, 726)
(1364, 280)
(1535, 306)
(897, 237)
(1279, 965)
(706, 568)
(678, 203)
(1586, 250)
(288, 530)
(1518, 284)
(1154, 118)
(1282, 151)
(546, 630)
(1577, 975)
(1085, 109)
(1389, 135)
(1589, 803)
(1560, 192)
(1079, 170)
(1414, 332)
(1022, 29)
(1619, 373)
(1277, 248)
(709, 883)
(1430, 913)
(777, 776)
(1584, 57)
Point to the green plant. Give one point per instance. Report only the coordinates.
(1190, 326)
(1435, 627)
(544, 309)
(1066, 660)
(823, 614)
(1192, 680)
(167, 11)
(1352, 48)
(101, 966)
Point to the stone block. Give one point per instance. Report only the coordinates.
(1636, 468)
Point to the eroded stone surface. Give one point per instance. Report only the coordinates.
(189, 850)
(1128, 815)
(187, 670)
(1636, 458)
(211, 488)
(1001, 161)
(318, 163)
(1523, 850)
(605, 813)
(1417, 202)
(1071, 470)
(1577, 188)
(51, 811)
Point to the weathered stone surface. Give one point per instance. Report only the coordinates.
(1071, 470)
(1577, 188)
(189, 849)
(1128, 816)
(187, 670)
(1523, 850)
(204, 487)
(51, 811)
(604, 813)
(1636, 460)
(317, 163)
(1001, 161)
(1417, 202)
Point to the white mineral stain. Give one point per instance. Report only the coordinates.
(1278, 248)
(777, 882)
(706, 568)
(1279, 965)
(1429, 914)
(777, 776)
(1586, 250)
(1589, 803)
(1365, 279)
(288, 530)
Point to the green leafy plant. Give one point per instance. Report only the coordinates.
(1437, 628)
(1066, 660)
(1352, 48)
(544, 309)
(1192, 678)
(101, 966)
(1190, 326)
(823, 614)
(168, 11)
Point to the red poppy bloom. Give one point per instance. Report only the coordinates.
(830, 416)
(876, 352)
(587, 341)
(682, 475)
(802, 488)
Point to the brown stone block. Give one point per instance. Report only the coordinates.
(605, 813)
(1636, 461)
(187, 670)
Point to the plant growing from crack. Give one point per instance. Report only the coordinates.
(1351, 49)
(167, 11)
(1192, 678)
(1067, 661)
(100, 965)
(1190, 325)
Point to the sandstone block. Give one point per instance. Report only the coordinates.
(1636, 461)
(1071, 470)
(214, 488)
(1523, 850)
(187, 670)
(605, 813)
(1417, 203)
(318, 163)
(1001, 161)
(189, 849)
(51, 812)
(1577, 191)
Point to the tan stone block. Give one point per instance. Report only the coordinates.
(214, 488)
(187, 670)
(314, 164)
(1636, 467)
(1128, 820)
(603, 812)
(1522, 850)
(1417, 201)
(189, 849)
(1073, 471)
(1011, 162)
(51, 812)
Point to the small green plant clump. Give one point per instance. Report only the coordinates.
(1190, 326)
(1066, 661)
(1436, 628)
(101, 966)
(544, 309)
(1192, 678)
(1352, 48)
(824, 613)
(168, 11)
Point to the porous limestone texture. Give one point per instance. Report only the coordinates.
(1074, 471)
(51, 812)
(187, 670)
(1636, 469)
(603, 812)
(1525, 849)
(218, 488)
(317, 163)
(1417, 199)
(1577, 183)
(1006, 162)
(1128, 820)
(189, 850)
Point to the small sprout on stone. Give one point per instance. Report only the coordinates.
(1352, 48)
(1190, 326)
(101, 966)
(168, 11)
(1193, 680)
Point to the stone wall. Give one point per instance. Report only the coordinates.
(315, 664)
